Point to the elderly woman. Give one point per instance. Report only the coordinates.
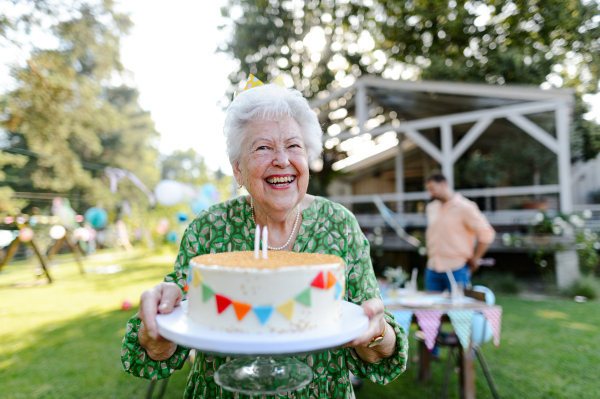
(272, 136)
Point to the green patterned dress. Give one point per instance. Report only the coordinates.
(326, 227)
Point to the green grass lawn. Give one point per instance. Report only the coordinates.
(62, 340)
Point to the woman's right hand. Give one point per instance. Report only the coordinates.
(160, 299)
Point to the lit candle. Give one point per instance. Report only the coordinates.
(265, 240)
(256, 241)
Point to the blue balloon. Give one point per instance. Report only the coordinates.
(97, 217)
(482, 329)
(182, 216)
(172, 236)
(199, 204)
(211, 192)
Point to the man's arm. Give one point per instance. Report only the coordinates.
(477, 222)
(480, 250)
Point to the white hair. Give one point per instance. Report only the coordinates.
(270, 103)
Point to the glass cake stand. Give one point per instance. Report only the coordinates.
(263, 364)
(263, 375)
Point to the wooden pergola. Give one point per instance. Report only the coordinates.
(442, 107)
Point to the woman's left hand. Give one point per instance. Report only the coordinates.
(373, 309)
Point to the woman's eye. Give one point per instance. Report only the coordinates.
(262, 147)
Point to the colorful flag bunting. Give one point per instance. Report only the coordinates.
(241, 309)
(207, 293)
(331, 280)
(429, 321)
(403, 317)
(197, 277)
(222, 303)
(462, 321)
(494, 316)
(319, 281)
(338, 290)
(287, 309)
(304, 297)
(263, 313)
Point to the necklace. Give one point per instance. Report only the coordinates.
(293, 228)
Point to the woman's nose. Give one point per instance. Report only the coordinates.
(281, 159)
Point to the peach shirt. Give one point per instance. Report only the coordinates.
(451, 232)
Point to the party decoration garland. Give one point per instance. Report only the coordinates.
(264, 312)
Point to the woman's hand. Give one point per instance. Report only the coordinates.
(160, 299)
(373, 309)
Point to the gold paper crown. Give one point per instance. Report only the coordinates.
(254, 82)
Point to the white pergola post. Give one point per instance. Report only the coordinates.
(447, 159)
(564, 157)
(362, 111)
(400, 174)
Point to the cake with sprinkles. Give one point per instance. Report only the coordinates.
(287, 292)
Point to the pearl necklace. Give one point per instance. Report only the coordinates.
(291, 235)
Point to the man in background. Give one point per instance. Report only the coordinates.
(453, 225)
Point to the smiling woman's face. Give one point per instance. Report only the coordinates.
(274, 165)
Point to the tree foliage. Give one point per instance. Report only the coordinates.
(67, 116)
(320, 45)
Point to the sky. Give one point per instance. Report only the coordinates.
(171, 54)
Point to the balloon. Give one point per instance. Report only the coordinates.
(33, 221)
(172, 236)
(168, 192)
(181, 216)
(26, 234)
(126, 305)
(57, 232)
(163, 226)
(199, 204)
(211, 192)
(481, 331)
(6, 237)
(97, 217)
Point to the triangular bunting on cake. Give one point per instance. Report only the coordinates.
(222, 303)
(241, 309)
(207, 293)
(287, 309)
(429, 321)
(319, 281)
(494, 316)
(304, 297)
(331, 280)
(263, 313)
(197, 277)
(462, 321)
(338, 290)
(403, 317)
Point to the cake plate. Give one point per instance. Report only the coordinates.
(263, 365)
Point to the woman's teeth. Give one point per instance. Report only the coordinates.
(280, 181)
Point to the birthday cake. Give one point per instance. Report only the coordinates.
(287, 292)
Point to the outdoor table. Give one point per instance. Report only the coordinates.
(429, 318)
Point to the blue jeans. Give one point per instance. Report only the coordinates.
(435, 281)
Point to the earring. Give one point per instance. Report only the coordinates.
(240, 186)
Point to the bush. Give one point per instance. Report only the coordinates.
(585, 286)
(505, 283)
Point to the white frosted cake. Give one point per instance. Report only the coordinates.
(287, 292)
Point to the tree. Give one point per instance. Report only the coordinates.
(320, 45)
(188, 167)
(67, 117)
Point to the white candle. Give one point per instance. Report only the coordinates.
(256, 241)
(265, 241)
